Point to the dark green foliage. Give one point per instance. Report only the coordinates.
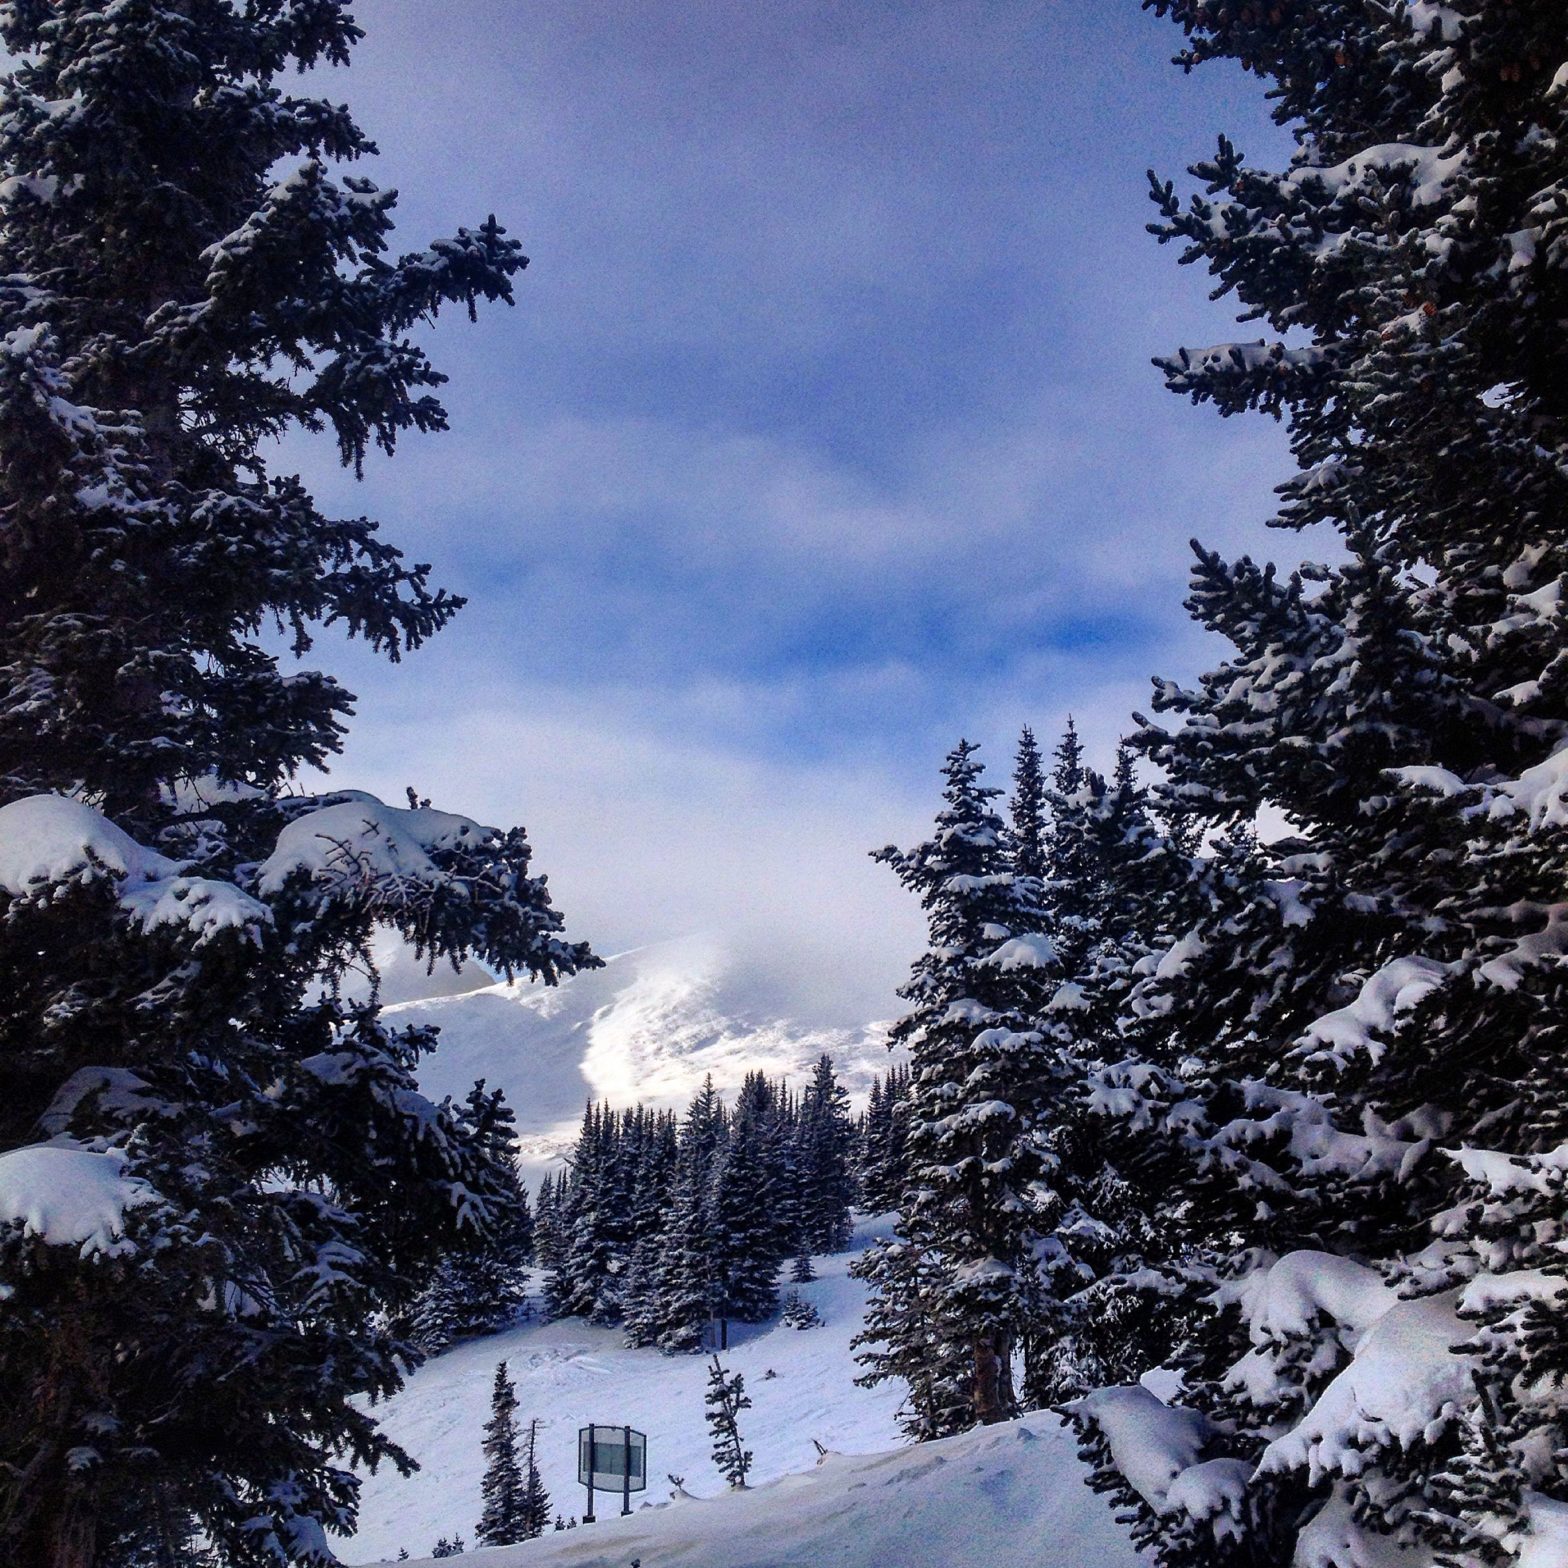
(480, 1285)
(1351, 1048)
(974, 1151)
(502, 1521)
(825, 1144)
(799, 1313)
(183, 281)
(676, 1230)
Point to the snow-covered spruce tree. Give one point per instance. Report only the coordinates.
(594, 1221)
(1361, 1052)
(480, 1286)
(685, 1288)
(1026, 825)
(742, 1255)
(825, 1140)
(799, 1313)
(912, 1335)
(884, 1162)
(974, 1158)
(547, 1230)
(725, 1399)
(241, 1177)
(502, 1521)
(652, 1199)
(779, 1112)
(1096, 1312)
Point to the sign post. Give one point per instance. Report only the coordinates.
(611, 1459)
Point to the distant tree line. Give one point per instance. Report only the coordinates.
(668, 1225)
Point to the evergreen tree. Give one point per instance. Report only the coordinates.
(912, 1335)
(547, 1229)
(874, 1128)
(535, 1510)
(975, 1158)
(1356, 1078)
(184, 279)
(800, 1313)
(594, 1224)
(684, 1292)
(801, 1271)
(1095, 1313)
(448, 1548)
(654, 1197)
(742, 1258)
(1026, 809)
(480, 1286)
(503, 1520)
(825, 1140)
(725, 1399)
(885, 1169)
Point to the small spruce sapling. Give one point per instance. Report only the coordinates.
(725, 1400)
(800, 1313)
(536, 1500)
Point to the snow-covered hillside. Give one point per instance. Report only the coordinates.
(1009, 1495)
(996, 1497)
(648, 1026)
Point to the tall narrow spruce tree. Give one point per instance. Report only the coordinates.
(502, 1487)
(974, 1155)
(725, 1399)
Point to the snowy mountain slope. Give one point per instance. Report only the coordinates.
(1010, 1495)
(997, 1497)
(648, 1026)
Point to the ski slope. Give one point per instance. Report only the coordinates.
(997, 1497)
(1008, 1495)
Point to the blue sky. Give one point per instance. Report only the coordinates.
(824, 432)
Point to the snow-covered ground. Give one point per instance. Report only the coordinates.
(648, 1026)
(998, 1497)
(1010, 1495)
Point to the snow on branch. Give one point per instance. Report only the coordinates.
(67, 1196)
(49, 842)
(1406, 1383)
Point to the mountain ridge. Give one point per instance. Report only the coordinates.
(649, 1026)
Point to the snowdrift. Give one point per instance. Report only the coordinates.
(1008, 1496)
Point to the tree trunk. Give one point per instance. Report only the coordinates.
(993, 1385)
(63, 1534)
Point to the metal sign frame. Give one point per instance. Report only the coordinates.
(613, 1459)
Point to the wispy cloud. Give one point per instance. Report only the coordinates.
(823, 433)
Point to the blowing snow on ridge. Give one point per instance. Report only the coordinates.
(649, 1026)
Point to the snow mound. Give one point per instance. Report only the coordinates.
(362, 839)
(1406, 1383)
(1152, 1443)
(70, 1197)
(47, 839)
